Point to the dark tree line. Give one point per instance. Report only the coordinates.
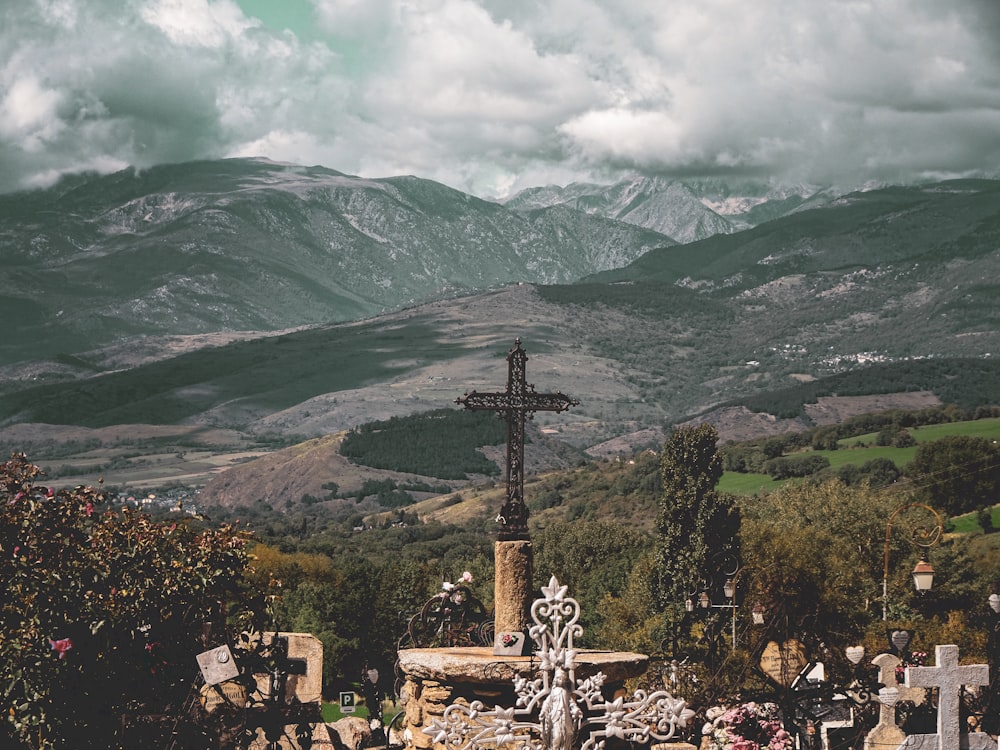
(441, 443)
(967, 382)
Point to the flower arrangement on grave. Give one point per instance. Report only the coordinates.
(748, 726)
(912, 659)
(508, 640)
(454, 590)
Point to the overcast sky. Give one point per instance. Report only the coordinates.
(490, 96)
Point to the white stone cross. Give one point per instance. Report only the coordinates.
(887, 734)
(949, 678)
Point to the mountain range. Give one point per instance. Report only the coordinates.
(280, 300)
(248, 244)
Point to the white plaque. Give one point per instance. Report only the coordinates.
(217, 665)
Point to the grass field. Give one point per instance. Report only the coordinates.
(985, 428)
(746, 484)
(967, 524)
(861, 449)
(858, 456)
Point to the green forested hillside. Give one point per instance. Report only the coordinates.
(965, 382)
(442, 443)
(960, 217)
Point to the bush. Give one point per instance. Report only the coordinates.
(796, 466)
(984, 517)
(103, 611)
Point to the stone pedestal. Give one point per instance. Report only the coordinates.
(434, 678)
(512, 593)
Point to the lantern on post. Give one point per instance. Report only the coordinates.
(923, 573)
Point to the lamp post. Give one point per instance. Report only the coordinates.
(728, 565)
(923, 573)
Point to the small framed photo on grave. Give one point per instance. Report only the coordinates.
(512, 643)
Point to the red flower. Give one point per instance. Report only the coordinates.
(61, 646)
(88, 508)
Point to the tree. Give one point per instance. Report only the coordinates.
(103, 609)
(593, 558)
(694, 524)
(957, 473)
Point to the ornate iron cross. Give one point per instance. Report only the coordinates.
(516, 405)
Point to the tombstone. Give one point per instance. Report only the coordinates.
(949, 678)
(887, 733)
(284, 707)
(783, 662)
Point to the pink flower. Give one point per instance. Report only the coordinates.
(61, 646)
(88, 508)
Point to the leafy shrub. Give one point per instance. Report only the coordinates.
(796, 466)
(984, 517)
(103, 609)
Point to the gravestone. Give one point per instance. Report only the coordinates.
(949, 678)
(285, 704)
(783, 662)
(887, 733)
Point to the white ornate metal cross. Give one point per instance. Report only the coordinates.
(553, 712)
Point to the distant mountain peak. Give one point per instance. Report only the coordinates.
(686, 210)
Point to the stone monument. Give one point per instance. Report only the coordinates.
(435, 678)
(886, 734)
(949, 678)
(284, 708)
(555, 709)
(512, 550)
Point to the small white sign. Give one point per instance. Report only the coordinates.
(347, 703)
(217, 665)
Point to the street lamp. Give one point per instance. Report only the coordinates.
(923, 573)
(729, 588)
(726, 564)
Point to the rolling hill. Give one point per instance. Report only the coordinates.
(885, 291)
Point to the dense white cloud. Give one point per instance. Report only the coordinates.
(492, 95)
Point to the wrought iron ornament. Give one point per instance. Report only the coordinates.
(567, 713)
(515, 405)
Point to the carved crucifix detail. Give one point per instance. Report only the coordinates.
(516, 405)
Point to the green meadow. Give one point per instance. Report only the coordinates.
(861, 449)
(985, 428)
